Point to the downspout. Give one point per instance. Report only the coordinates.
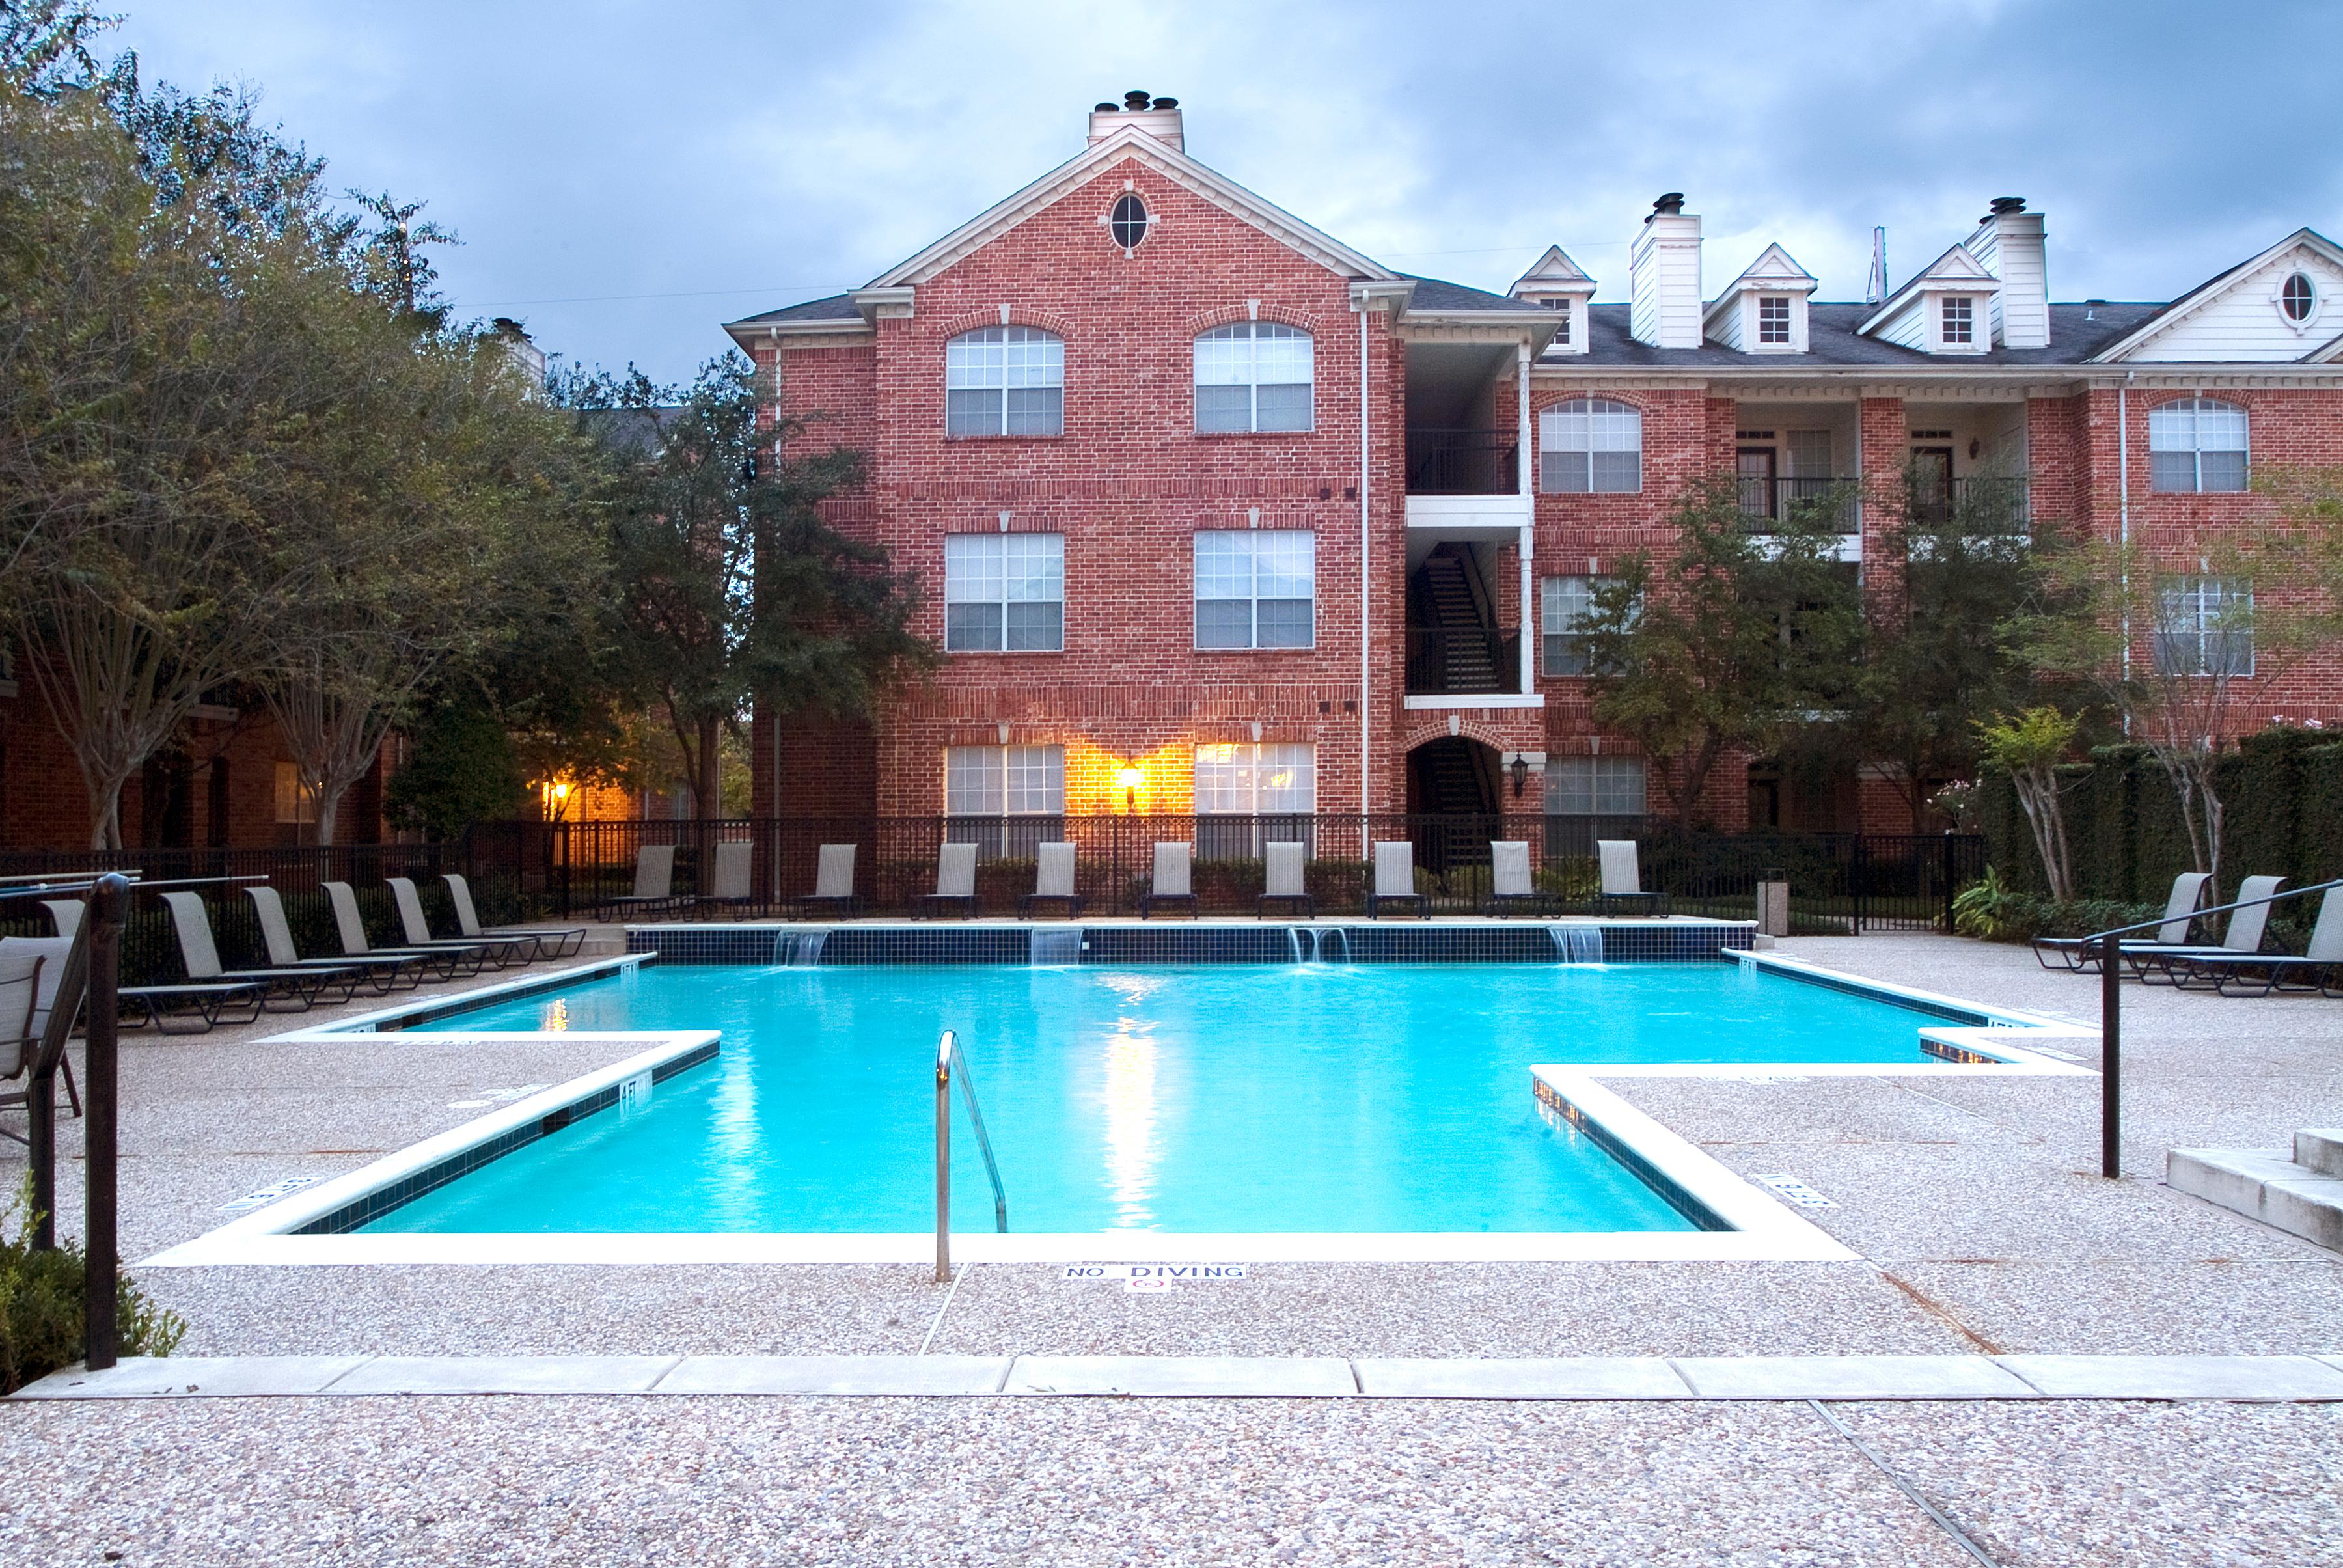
(1367, 569)
(1528, 552)
(2123, 522)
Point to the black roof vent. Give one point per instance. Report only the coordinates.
(1672, 204)
(1135, 100)
(2005, 206)
(1167, 102)
(1106, 108)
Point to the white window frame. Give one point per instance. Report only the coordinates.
(1002, 360)
(2189, 631)
(2179, 428)
(2300, 323)
(1597, 786)
(1246, 768)
(1767, 302)
(1565, 602)
(1968, 306)
(1021, 801)
(1607, 426)
(999, 570)
(1216, 573)
(1215, 351)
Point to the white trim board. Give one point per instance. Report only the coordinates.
(1765, 1228)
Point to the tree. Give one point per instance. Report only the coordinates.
(1737, 642)
(727, 581)
(2030, 748)
(1936, 672)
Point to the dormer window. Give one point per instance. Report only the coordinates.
(1561, 308)
(1960, 319)
(1773, 319)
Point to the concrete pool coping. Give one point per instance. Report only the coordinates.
(2262, 1379)
(1761, 1228)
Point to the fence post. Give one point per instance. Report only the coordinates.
(101, 1253)
(2111, 1057)
(1855, 884)
(1949, 888)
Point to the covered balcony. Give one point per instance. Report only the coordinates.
(1466, 479)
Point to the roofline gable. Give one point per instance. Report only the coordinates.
(1972, 278)
(2205, 293)
(1166, 160)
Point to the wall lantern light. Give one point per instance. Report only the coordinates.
(1130, 776)
(1521, 775)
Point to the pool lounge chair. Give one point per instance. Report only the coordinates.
(1512, 888)
(552, 942)
(1053, 881)
(495, 952)
(730, 880)
(382, 971)
(1395, 878)
(2319, 967)
(21, 1019)
(2158, 963)
(1622, 879)
(833, 885)
(2179, 914)
(955, 881)
(349, 924)
(654, 891)
(1282, 882)
(299, 987)
(65, 913)
(1173, 884)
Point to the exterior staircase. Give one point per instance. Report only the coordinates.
(1452, 785)
(1451, 606)
(2302, 1196)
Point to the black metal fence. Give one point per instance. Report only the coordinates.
(1839, 882)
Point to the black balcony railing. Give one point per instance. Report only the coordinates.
(1769, 502)
(1441, 662)
(1981, 505)
(1463, 462)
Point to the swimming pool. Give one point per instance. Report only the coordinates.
(1211, 1099)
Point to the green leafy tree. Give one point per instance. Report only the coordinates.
(2031, 747)
(1737, 641)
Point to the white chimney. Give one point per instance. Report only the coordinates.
(1159, 117)
(1664, 272)
(2010, 243)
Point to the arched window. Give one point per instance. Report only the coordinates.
(2197, 444)
(1590, 446)
(1005, 381)
(1253, 375)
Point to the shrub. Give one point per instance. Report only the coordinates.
(42, 1324)
(1991, 910)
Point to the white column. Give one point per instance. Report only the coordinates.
(1528, 466)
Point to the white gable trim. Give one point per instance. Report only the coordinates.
(1165, 160)
(2205, 293)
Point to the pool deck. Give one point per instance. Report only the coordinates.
(1982, 1240)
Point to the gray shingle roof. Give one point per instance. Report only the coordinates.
(2077, 332)
(1435, 293)
(836, 308)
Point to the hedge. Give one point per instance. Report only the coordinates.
(2282, 793)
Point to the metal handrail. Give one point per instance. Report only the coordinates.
(947, 1050)
(2110, 944)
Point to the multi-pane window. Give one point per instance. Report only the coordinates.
(1772, 318)
(1240, 779)
(1255, 588)
(1253, 375)
(2299, 297)
(1595, 786)
(295, 803)
(2205, 626)
(1005, 381)
(1005, 798)
(1960, 319)
(2197, 444)
(1564, 605)
(1561, 308)
(1590, 446)
(1004, 593)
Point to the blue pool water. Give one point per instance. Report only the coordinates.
(1287, 1098)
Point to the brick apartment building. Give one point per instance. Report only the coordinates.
(1217, 514)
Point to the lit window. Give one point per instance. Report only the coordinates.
(2205, 626)
(1253, 375)
(1590, 445)
(2299, 298)
(1564, 605)
(294, 801)
(1129, 223)
(2197, 444)
(1595, 786)
(1960, 320)
(1004, 593)
(1005, 381)
(1251, 781)
(1772, 318)
(1256, 589)
(1005, 798)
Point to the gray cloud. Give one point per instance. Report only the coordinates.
(626, 175)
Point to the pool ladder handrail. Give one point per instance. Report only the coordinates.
(946, 1051)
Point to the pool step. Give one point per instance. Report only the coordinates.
(2302, 1196)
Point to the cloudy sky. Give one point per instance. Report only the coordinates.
(625, 175)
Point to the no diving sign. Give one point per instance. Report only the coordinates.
(1152, 1277)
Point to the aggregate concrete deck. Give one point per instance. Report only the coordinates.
(1982, 1226)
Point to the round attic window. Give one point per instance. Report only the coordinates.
(2299, 297)
(1129, 223)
